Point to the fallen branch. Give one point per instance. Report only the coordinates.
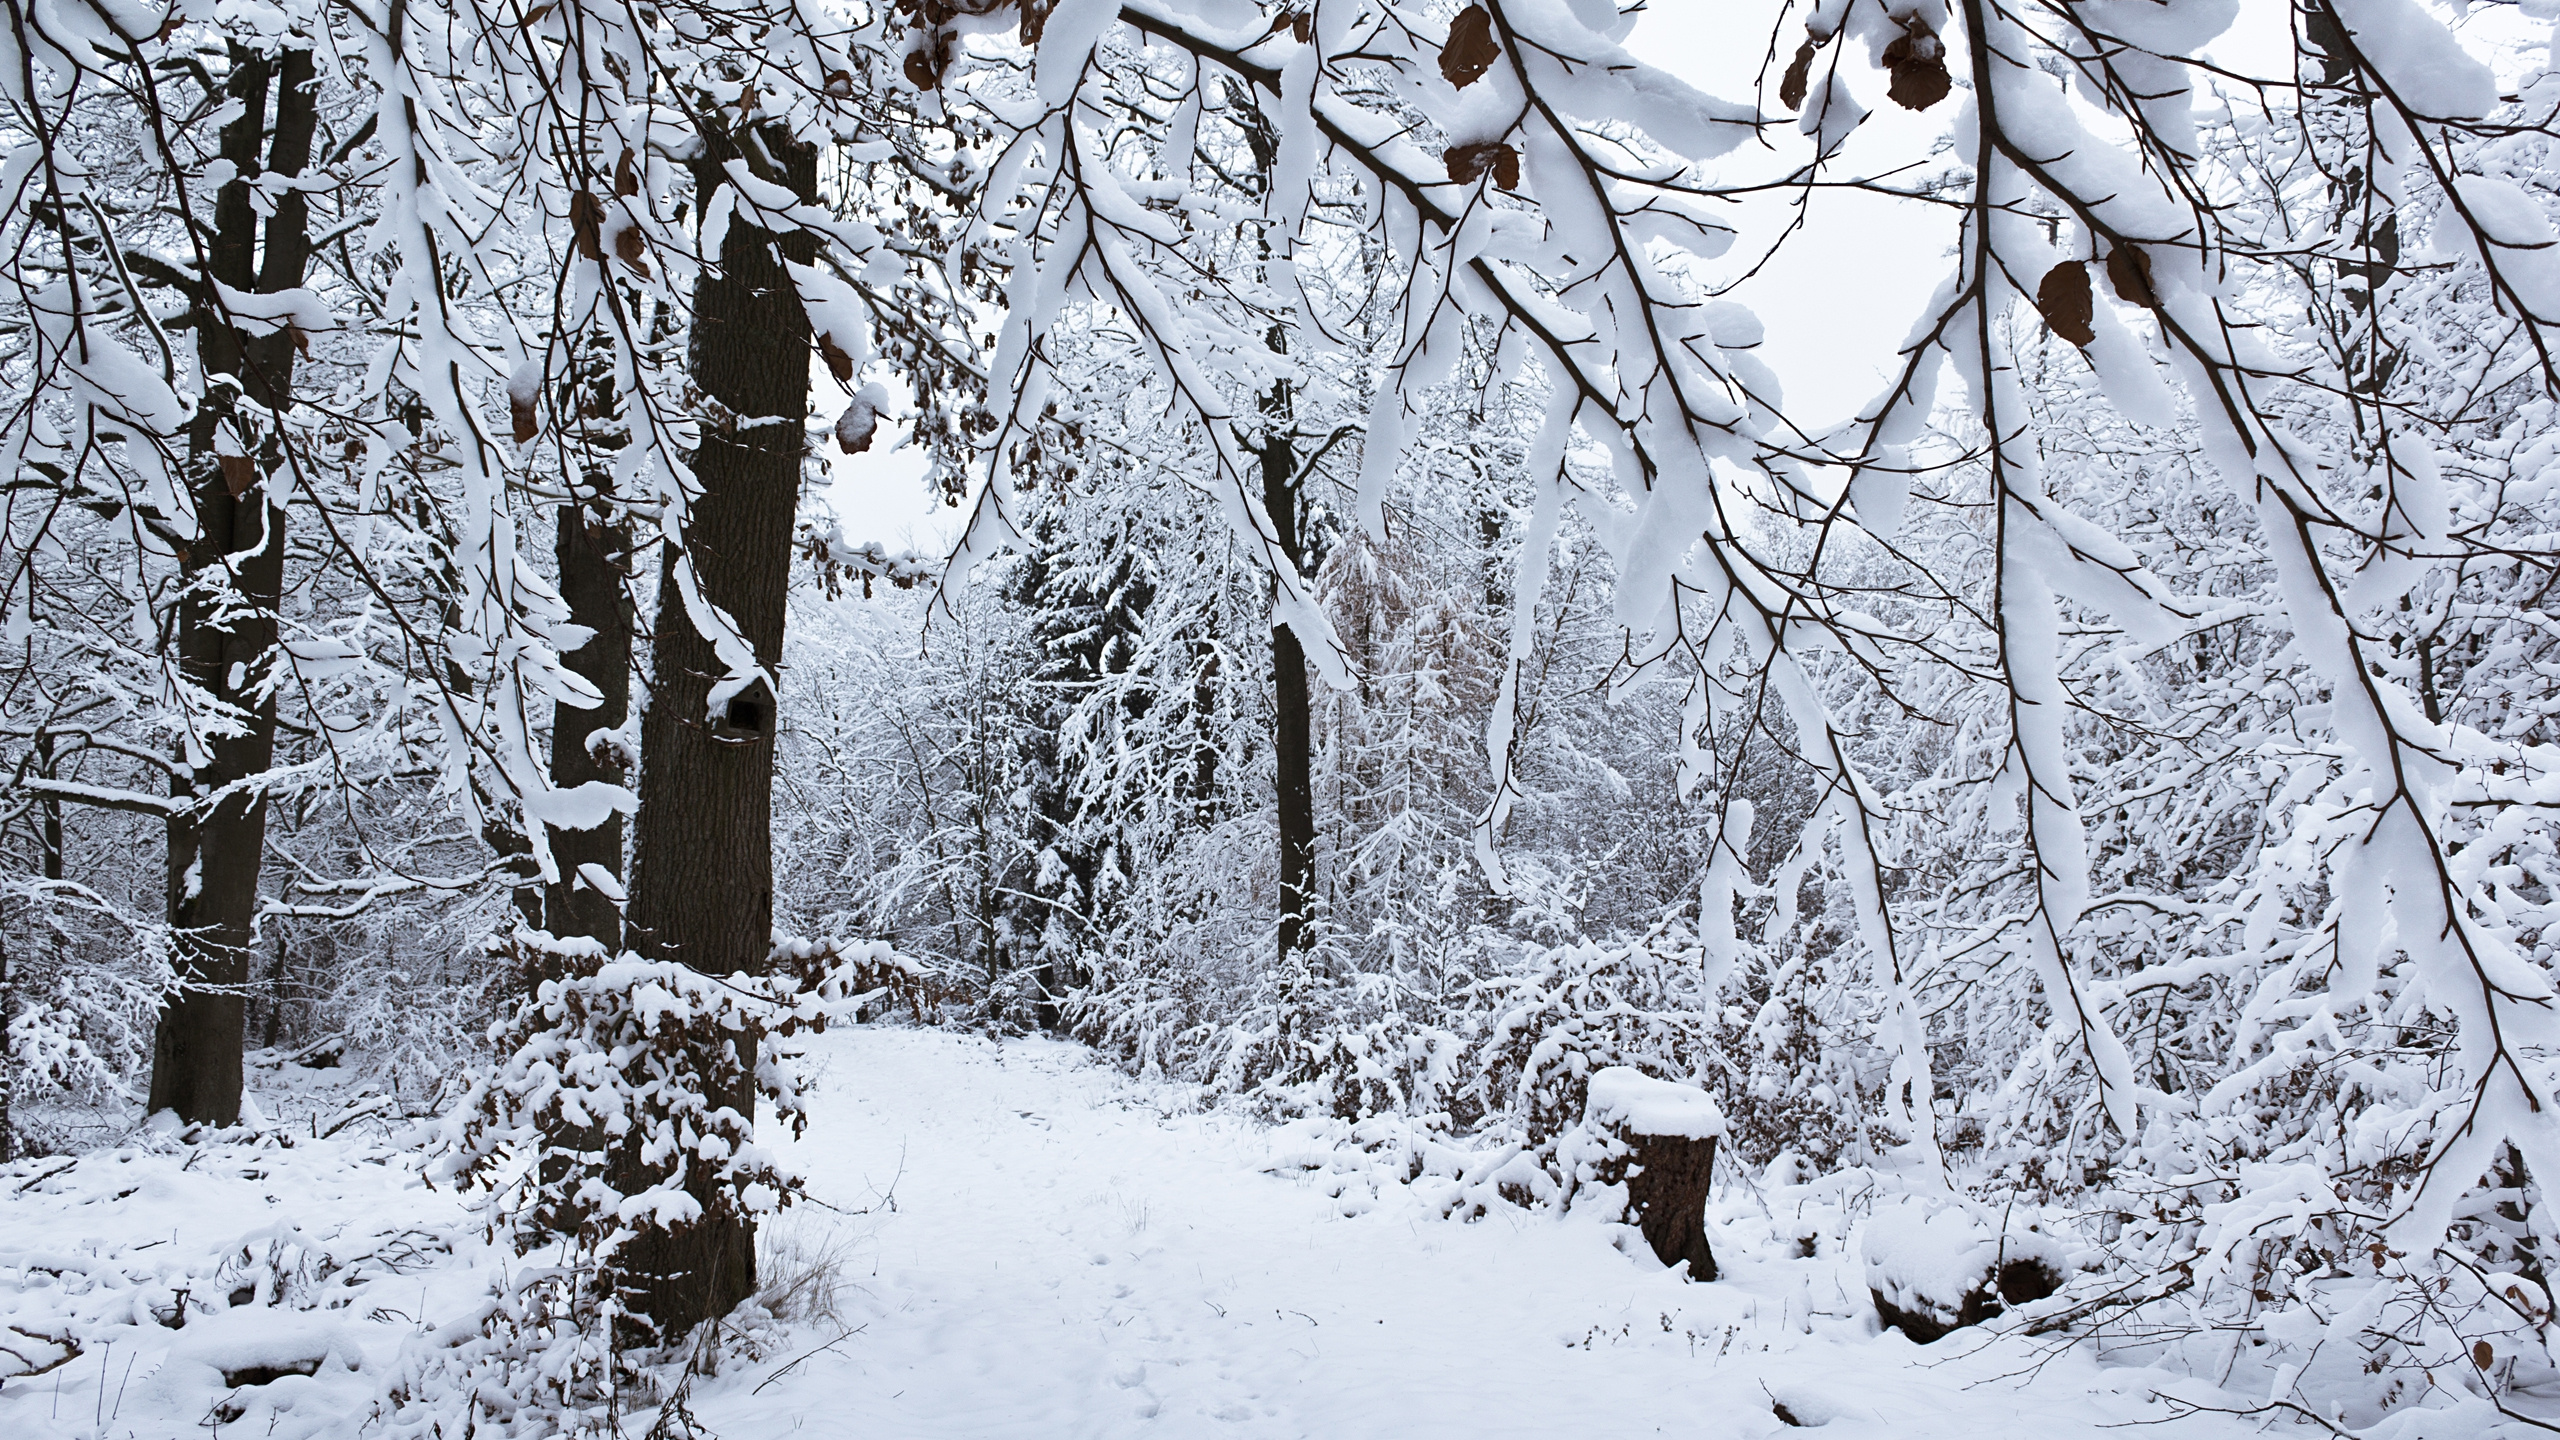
(2112, 1300)
(40, 1179)
(796, 1362)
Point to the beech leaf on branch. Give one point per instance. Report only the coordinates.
(2065, 301)
(1471, 50)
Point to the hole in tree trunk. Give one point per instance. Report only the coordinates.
(747, 717)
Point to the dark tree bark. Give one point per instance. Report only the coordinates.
(1666, 1180)
(1293, 725)
(592, 547)
(702, 844)
(1293, 719)
(227, 617)
(51, 809)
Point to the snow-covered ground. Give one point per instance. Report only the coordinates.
(1029, 1245)
(1069, 1255)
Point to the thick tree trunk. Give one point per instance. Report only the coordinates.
(702, 844)
(226, 621)
(1293, 726)
(591, 550)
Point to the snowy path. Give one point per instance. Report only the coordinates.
(1065, 1259)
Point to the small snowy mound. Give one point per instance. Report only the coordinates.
(1936, 1270)
(264, 1361)
(1634, 1102)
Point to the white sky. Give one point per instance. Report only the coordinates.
(880, 495)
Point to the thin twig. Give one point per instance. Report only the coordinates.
(795, 1363)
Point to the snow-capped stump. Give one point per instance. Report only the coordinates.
(1936, 1271)
(1661, 1143)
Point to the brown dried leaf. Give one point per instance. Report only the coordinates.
(2066, 304)
(2129, 271)
(301, 340)
(1035, 20)
(528, 423)
(1471, 50)
(239, 472)
(1468, 163)
(533, 16)
(626, 173)
(920, 71)
(2482, 1355)
(1303, 26)
(630, 247)
(1919, 66)
(586, 223)
(856, 426)
(1799, 77)
(839, 364)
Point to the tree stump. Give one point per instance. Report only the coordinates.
(1933, 1274)
(1661, 1142)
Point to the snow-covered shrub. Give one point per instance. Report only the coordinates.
(1573, 1010)
(88, 1030)
(610, 1109)
(1809, 1067)
(83, 984)
(538, 1361)
(412, 1004)
(1356, 1046)
(1484, 1090)
(2339, 1314)
(1152, 1010)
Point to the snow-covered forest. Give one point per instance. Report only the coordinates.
(1719, 716)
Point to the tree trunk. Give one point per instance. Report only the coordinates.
(1293, 728)
(591, 550)
(702, 844)
(226, 619)
(51, 809)
(1293, 721)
